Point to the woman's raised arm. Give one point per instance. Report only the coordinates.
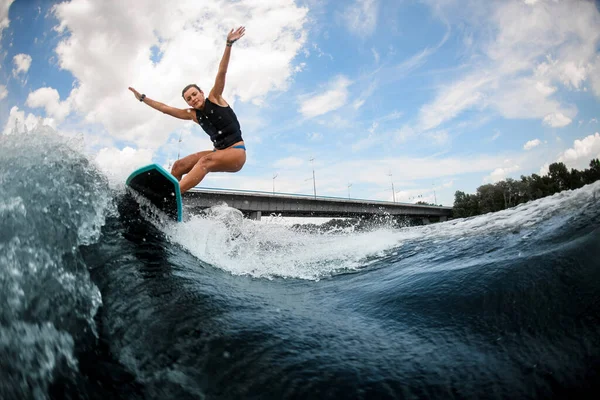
(217, 90)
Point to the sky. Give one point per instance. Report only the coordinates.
(394, 100)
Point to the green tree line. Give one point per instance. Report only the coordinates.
(510, 192)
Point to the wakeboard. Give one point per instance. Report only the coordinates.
(160, 188)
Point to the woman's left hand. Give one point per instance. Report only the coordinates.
(135, 93)
(236, 34)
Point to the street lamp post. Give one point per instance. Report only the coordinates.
(178, 151)
(274, 176)
(179, 146)
(313, 178)
(393, 191)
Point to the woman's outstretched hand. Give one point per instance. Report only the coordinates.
(136, 93)
(236, 34)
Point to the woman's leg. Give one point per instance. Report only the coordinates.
(228, 160)
(184, 165)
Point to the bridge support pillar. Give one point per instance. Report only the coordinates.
(426, 221)
(443, 218)
(255, 215)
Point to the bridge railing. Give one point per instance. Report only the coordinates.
(256, 203)
(309, 196)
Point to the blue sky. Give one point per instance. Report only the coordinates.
(430, 96)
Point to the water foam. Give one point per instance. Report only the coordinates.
(223, 238)
(526, 219)
(245, 247)
(52, 200)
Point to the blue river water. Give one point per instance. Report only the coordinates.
(100, 302)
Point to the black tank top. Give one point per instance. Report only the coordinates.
(220, 123)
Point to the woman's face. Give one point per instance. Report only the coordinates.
(194, 97)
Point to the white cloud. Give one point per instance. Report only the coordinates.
(370, 140)
(496, 135)
(107, 46)
(500, 174)
(49, 99)
(524, 56)
(521, 98)
(4, 21)
(423, 194)
(376, 171)
(119, 164)
(333, 98)
(300, 67)
(22, 63)
(573, 75)
(415, 195)
(451, 101)
(595, 75)
(320, 53)
(544, 89)
(364, 143)
(582, 152)
(531, 144)
(415, 61)
(557, 120)
(358, 104)
(438, 138)
(448, 184)
(3, 92)
(404, 133)
(361, 17)
(392, 116)
(373, 128)
(376, 56)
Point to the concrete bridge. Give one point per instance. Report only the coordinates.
(255, 204)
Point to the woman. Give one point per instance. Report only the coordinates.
(217, 119)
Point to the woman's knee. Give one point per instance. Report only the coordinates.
(176, 169)
(206, 163)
